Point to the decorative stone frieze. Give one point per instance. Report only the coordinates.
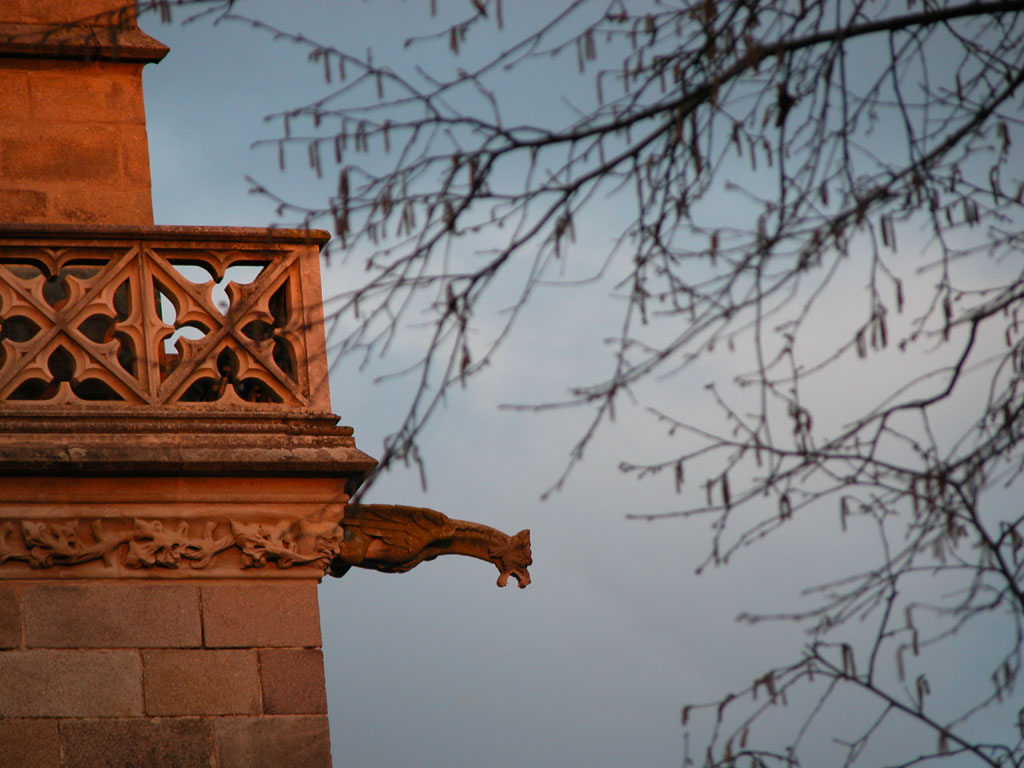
(152, 543)
(387, 538)
(145, 547)
(45, 544)
(288, 543)
(169, 527)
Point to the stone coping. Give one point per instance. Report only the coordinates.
(116, 455)
(175, 445)
(164, 232)
(88, 43)
(206, 421)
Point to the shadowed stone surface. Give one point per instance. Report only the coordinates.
(29, 744)
(201, 682)
(21, 204)
(112, 616)
(293, 682)
(273, 742)
(10, 619)
(70, 684)
(136, 743)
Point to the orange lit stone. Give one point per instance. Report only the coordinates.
(293, 681)
(201, 682)
(271, 742)
(73, 144)
(71, 683)
(169, 501)
(29, 741)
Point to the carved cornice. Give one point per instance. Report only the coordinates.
(190, 451)
(198, 236)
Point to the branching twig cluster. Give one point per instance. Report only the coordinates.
(870, 133)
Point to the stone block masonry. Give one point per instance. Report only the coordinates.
(73, 146)
(90, 12)
(67, 132)
(161, 674)
(165, 517)
(167, 505)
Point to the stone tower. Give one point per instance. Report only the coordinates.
(173, 484)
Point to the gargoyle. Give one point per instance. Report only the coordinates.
(395, 539)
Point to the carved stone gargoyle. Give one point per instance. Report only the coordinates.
(395, 539)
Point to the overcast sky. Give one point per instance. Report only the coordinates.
(592, 663)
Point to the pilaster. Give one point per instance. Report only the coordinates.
(73, 145)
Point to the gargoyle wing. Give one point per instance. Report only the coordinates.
(396, 525)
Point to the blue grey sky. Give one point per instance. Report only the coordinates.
(591, 664)
(588, 666)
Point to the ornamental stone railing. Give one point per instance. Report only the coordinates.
(164, 405)
(155, 319)
(165, 413)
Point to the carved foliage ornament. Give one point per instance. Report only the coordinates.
(151, 325)
(392, 539)
(165, 544)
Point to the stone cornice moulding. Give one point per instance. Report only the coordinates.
(59, 233)
(79, 43)
(243, 454)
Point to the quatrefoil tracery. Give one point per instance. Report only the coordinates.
(87, 324)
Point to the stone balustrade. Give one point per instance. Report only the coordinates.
(164, 405)
(165, 319)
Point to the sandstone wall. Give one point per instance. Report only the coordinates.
(73, 145)
(217, 675)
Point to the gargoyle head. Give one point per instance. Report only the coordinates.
(513, 557)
